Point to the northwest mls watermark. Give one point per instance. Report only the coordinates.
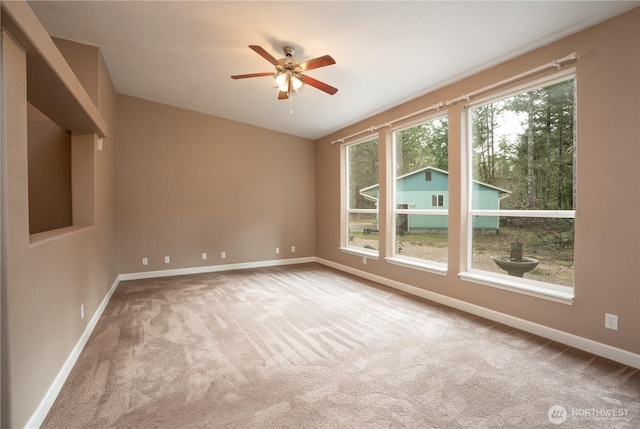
(558, 414)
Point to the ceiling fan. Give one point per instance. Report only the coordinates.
(289, 74)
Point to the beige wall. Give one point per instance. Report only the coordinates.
(608, 202)
(47, 277)
(190, 183)
(49, 153)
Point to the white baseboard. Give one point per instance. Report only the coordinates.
(52, 393)
(572, 340)
(214, 268)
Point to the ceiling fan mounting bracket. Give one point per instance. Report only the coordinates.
(289, 51)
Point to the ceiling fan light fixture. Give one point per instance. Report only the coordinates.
(295, 83)
(281, 81)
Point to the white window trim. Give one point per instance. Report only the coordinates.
(359, 251)
(418, 264)
(434, 212)
(345, 211)
(549, 214)
(543, 290)
(402, 260)
(548, 291)
(438, 197)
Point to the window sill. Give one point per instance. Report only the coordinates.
(418, 264)
(45, 236)
(561, 294)
(365, 253)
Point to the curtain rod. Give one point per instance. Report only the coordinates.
(389, 124)
(555, 63)
(467, 97)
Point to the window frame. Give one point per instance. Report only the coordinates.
(439, 200)
(345, 210)
(392, 205)
(549, 291)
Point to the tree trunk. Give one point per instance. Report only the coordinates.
(530, 157)
(546, 196)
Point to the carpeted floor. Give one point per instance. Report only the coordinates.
(308, 347)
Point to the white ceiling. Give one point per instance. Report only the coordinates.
(182, 53)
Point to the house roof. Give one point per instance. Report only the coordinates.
(503, 192)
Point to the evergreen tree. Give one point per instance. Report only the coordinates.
(538, 165)
(363, 172)
(425, 145)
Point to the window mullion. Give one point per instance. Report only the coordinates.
(565, 214)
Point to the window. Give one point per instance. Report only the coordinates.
(522, 188)
(360, 227)
(421, 181)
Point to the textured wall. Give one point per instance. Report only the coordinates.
(190, 183)
(608, 202)
(49, 151)
(46, 278)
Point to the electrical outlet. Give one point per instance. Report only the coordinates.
(277, 250)
(611, 321)
(145, 261)
(223, 255)
(167, 259)
(204, 256)
(293, 249)
(81, 311)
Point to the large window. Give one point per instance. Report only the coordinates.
(421, 187)
(522, 187)
(517, 191)
(361, 230)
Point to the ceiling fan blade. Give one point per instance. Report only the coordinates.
(319, 85)
(244, 76)
(264, 54)
(317, 63)
(283, 95)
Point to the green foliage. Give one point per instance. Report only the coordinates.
(424, 145)
(525, 144)
(545, 233)
(363, 172)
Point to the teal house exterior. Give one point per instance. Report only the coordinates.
(428, 189)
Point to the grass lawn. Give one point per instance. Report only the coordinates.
(554, 252)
